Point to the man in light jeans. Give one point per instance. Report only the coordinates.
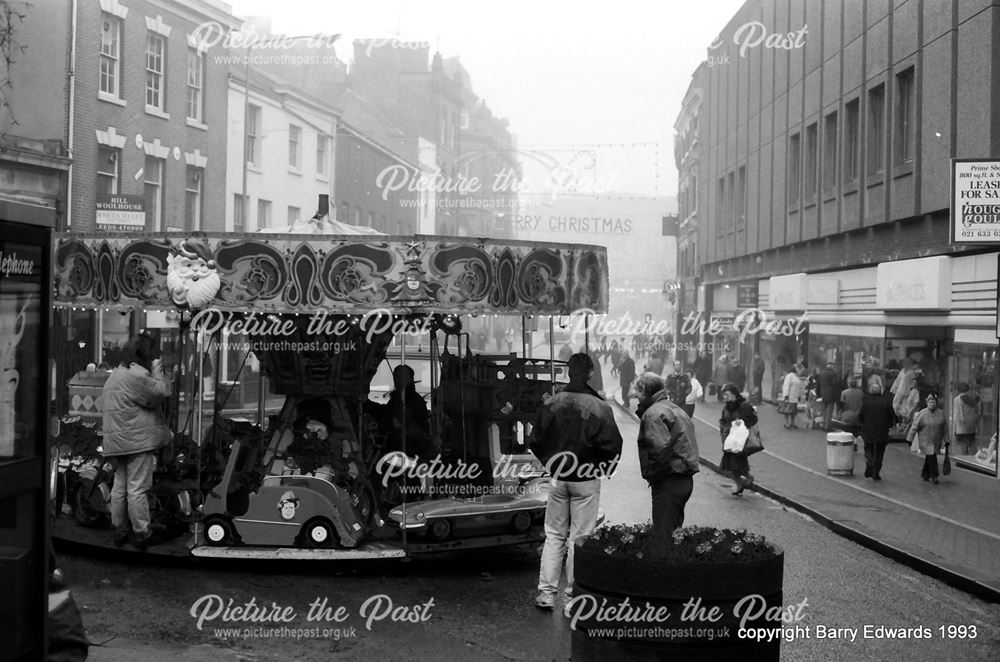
(577, 439)
(571, 513)
(133, 432)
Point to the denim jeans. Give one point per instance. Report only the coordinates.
(571, 513)
(133, 478)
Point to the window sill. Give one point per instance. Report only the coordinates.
(323, 178)
(875, 180)
(294, 171)
(195, 124)
(849, 187)
(104, 96)
(156, 112)
(830, 195)
(253, 167)
(902, 170)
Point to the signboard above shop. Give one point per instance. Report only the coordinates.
(920, 284)
(788, 292)
(975, 201)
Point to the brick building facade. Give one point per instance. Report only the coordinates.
(825, 137)
(150, 114)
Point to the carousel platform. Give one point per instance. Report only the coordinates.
(384, 544)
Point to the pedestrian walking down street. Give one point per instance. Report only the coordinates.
(703, 371)
(757, 367)
(965, 418)
(577, 439)
(791, 393)
(930, 426)
(851, 399)
(694, 396)
(829, 389)
(736, 408)
(678, 385)
(668, 455)
(133, 432)
(626, 375)
(876, 417)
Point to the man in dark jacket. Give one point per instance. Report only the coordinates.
(668, 455)
(829, 391)
(876, 419)
(757, 367)
(678, 386)
(626, 375)
(577, 439)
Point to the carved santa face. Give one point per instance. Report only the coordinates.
(192, 277)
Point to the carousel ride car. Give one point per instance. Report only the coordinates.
(326, 316)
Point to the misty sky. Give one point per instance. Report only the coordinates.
(568, 75)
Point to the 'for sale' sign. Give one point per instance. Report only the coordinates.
(975, 201)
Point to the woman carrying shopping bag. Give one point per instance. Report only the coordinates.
(791, 392)
(736, 408)
(930, 426)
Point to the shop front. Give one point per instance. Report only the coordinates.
(855, 350)
(973, 363)
(785, 335)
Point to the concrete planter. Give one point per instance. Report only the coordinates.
(622, 585)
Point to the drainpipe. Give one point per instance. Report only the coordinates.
(70, 110)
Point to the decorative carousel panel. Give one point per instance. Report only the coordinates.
(333, 273)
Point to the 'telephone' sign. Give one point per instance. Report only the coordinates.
(975, 201)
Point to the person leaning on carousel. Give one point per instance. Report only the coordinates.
(736, 408)
(930, 426)
(668, 454)
(575, 436)
(404, 405)
(133, 430)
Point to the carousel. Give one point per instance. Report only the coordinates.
(336, 393)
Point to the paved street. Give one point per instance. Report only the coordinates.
(482, 607)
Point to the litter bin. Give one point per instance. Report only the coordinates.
(840, 454)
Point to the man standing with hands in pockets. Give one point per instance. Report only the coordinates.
(577, 439)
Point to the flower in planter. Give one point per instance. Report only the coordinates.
(695, 544)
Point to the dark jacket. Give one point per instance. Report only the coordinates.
(678, 386)
(577, 422)
(626, 369)
(876, 418)
(667, 443)
(829, 385)
(738, 408)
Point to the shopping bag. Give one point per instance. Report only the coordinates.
(736, 438)
(753, 444)
(786, 407)
(946, 467)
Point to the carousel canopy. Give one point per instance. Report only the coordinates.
(296, 272)
(320, 225)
